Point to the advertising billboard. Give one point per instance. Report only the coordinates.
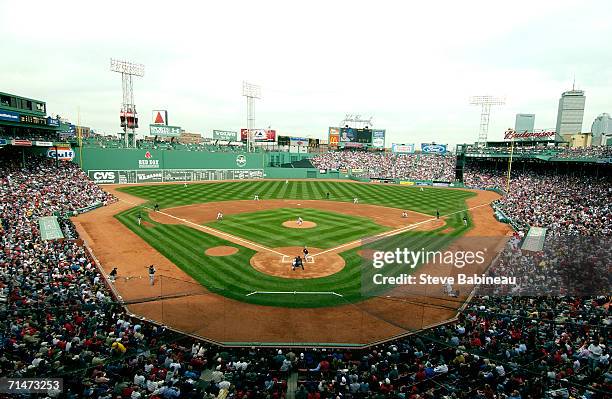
(225, 135)
(402, 148)
(63, 153)
(259, 134)
(334, 136)
(159, 117)
(433, 148)
(53, 122)
(299, 141)
(536, 134)
(9, 116)
(165, 131)
(378, 138)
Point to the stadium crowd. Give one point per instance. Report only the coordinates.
(561, 203)
(60, 318)
(389, 165)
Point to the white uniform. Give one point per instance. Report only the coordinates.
(355, 200)
(256, 197)
(300, 221)
(219, 216)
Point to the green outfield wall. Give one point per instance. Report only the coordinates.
(120, 165)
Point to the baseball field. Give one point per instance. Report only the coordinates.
(237, 270)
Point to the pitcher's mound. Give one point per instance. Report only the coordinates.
(280, 266)
(292, 224)
(221, 251)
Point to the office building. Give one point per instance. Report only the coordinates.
(602, 129)
(570, 113)
(524, 123)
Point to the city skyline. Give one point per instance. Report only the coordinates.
(413, 77)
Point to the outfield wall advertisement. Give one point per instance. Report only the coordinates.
(171, 175)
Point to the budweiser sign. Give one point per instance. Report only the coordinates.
(512, 134)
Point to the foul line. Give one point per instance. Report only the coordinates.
(397, 231)
(209, 229)
(296, 292)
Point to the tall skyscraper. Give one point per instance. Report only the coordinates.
(571, 113)
(601, 128)
(524, 123)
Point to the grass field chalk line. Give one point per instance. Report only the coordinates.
(295, 293)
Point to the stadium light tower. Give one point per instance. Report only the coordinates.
(485, 102)
(251, 92)
(128, 115)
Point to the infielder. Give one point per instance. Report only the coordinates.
(139, 219)
(219, 216)
(465, 220)
(355, 200)
(404, 214)
(256, 198)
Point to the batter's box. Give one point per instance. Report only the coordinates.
(289, 259)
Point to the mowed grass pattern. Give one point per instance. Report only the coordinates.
(265, 228)
(233, 277)
(403, 197)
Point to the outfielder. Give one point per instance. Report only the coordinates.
(152, 274)
(139, 219)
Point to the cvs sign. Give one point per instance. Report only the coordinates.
(103, 176)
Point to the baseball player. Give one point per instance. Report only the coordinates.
(286, 181)
(139, 219)
(299, 221)
(156, 208)
(152, 274)
(327, 195)
(185, 184)
(421, 189)
(404, 214)
(437, 214)
(256, 198)
(465, 220)
(355, 200)
(305, 251)
(298, 263)
(219, 215)
(112, 275)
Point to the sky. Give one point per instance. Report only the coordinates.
(412, 66)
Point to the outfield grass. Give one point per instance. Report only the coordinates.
(391, 195)
(233, 277)
(265, 227)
